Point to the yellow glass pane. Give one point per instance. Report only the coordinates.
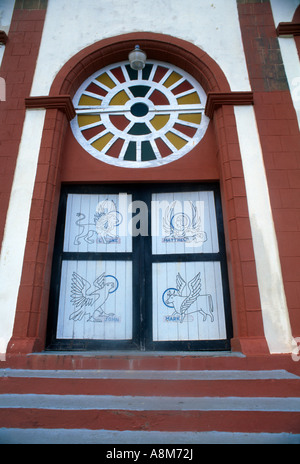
(174, 77)
(191, 99)
(120, 99)
(89, 101)
(194, 118)
(85, 120)
(106, 80)
(99, 144)
(160, 121)
(178, 142)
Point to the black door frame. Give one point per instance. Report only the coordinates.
(142, 259)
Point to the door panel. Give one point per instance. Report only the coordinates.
(97, 223)
(188, 301)
(184, 222)
(95, 301)
(117, 286)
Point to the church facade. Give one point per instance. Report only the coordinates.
(151, 206)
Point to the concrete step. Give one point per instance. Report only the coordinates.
(172, 414)
(140, 438)
(221, 383)
(149, 398)
(137, 360)
(115, 401)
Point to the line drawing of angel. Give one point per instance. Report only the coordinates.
(83, 298)
(182, 302)
(181, 226)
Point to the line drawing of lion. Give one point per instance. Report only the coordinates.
(106, 220)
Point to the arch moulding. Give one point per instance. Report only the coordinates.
(32, 308)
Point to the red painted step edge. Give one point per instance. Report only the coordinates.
(226, 421)
(136, 387)
(133, 362)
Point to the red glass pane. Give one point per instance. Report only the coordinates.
(159, 73)
(96, 89)
(89, 133)
(119, 121)
(163, 148)
(158, 98)
(184, 87)
(115, 149)
(118, 73)
(189, 131)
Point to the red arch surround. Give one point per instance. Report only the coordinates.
(32, 309)
(296, 17)
(157, 46)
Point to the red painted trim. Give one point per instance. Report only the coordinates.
(173, 421)
(137, 387)
(17, 68)
(261, 46)
(132, 361)
(31, 315)
(279, 136)
(59, 102)
(216, 99)
(157, 46)
(288, 29)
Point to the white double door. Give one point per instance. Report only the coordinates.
(144, 269)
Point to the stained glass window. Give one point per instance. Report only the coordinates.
(139, 119)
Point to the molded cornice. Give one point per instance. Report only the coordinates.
(214, 100)
(60, 102)
(288, 29)
(217, 99)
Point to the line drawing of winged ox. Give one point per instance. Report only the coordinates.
(181, 226)
(83, 298)
(184, 296)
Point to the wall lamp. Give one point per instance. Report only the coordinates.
(137, 58)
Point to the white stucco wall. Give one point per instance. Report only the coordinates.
(283, 11)
(212, 25)
(6, 11)
(272, 295)
(15, 233)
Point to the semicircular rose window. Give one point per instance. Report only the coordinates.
(139, 119)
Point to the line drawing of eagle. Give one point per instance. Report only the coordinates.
(82, 297)
(179, 300)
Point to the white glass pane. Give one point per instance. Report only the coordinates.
(184, 223)
(97, 223)
(188, 301)
(95, 301)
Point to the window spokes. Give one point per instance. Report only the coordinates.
(140, 114)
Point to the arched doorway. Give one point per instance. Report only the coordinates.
(63, 161)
